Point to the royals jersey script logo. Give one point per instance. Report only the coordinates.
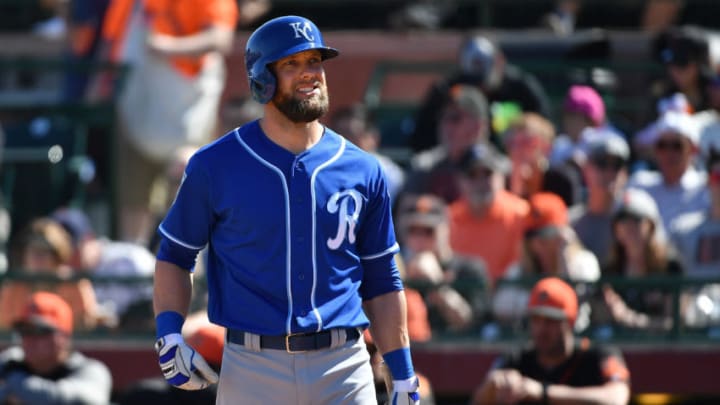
(347, 204)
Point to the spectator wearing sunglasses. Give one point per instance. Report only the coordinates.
(677, 187)
(452, 286)
(697, 235)
(44, 368)
(605, 172)
(685, 53)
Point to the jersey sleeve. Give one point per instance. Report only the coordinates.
(220, 12)
(186, 227)
(376, 243)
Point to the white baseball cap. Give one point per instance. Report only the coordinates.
(678, 123)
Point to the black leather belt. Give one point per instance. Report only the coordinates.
(295, 343)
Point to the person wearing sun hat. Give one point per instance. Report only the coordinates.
(44, 368)
(549, 248)
(556, 367)
(677, 186)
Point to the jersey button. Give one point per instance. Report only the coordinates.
(301, 277)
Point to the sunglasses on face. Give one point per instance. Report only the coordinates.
(604, 163)
(417, 230)
(628, 217)
(34, 331)
(674, 145)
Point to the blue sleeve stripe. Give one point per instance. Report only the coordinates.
(178, 241)
(391, 250)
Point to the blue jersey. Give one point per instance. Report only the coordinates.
(295, 242)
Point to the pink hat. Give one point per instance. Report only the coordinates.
(585, 100)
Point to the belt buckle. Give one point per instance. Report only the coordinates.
(287, 343)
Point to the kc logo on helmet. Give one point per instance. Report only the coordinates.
(304, 29)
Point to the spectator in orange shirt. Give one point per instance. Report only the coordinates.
(43, 249)
(487, 221)
(172, 94)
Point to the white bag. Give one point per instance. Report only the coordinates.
(159, 108)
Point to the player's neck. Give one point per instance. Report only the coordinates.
(293, 136)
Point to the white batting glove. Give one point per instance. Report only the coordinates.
(405, 392)
(181, 365)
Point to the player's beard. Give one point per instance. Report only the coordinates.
(302, 110)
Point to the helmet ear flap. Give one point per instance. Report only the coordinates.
(262, 86)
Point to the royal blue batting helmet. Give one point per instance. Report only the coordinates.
(274, 40)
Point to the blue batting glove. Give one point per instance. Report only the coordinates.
(406, 392)
(181, 365)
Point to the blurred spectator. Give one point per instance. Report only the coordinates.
(44, 368)
(481, 64)
(697, 234)
(684, 51)
(487, 221)
(639, 249)
(660, 15)
(172, 94)
(100, 257)
(678, 187)
(208, 340)
(85, 18)
(354, 123)
(464, 122)
(453, 286)
(238, 111)
(556, 368)
(418, 322)
(42, 251)
(5, 220)
(550, 248)
(54, 25)
(562, 19)
(583, 108)
(605, 172)
(528, 142)
(421, 14)
(644, 139)
(709, 120)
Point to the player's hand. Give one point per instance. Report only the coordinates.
(181, 365)
(405, 392)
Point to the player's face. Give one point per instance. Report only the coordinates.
(44, 349)
(301, 89)
(548, 335)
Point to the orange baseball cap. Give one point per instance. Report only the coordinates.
(553, 298)
(46, 310)
(209, 340)
(547, 213)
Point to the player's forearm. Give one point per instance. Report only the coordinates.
(172, 288)
(388, 321)
(612, 393)
(215, 38)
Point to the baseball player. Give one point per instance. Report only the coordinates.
(300, 244)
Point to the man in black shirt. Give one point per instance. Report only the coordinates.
(482, 64)
(555, 369)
